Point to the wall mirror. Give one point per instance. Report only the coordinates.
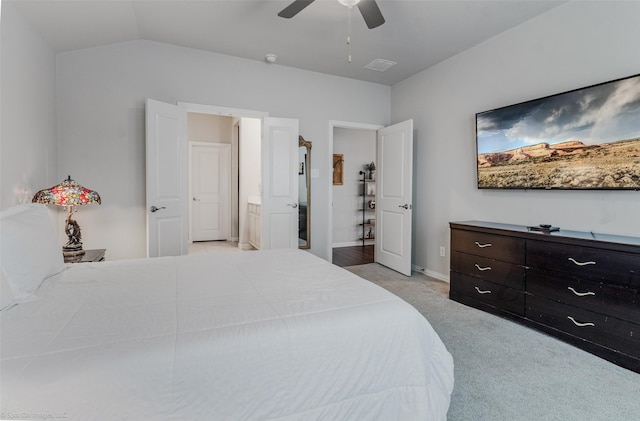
(304, 193)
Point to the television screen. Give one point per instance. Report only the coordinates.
(587, 138)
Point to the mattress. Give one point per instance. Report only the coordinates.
(261, 335)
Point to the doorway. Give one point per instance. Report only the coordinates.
(353, 218)
(274, 184)
(392, 192)
(211, 177)
(240, 132)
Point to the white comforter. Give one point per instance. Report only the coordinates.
(235, 336)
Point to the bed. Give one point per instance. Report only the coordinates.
(265, 335)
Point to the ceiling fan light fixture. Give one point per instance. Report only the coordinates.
(348, 3)
(368, 9)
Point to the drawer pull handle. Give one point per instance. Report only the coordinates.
(482, 292)
(581, 263)
(483, 245)
(481, 269)
(578, 323)
(581, 294)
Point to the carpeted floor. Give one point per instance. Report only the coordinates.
(505, 371)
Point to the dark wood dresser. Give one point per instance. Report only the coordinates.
(581, 287)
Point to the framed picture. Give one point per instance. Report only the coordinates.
(588, 138)
(338, 169)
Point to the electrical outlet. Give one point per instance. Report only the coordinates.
(443, 251)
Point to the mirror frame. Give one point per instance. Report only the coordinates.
(307, 144)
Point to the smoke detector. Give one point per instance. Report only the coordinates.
(271, 58)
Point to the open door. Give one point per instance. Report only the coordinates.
(280, 183)
(394, 196)
(167, 183)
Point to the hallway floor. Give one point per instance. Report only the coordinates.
(213, 246)
(356, 255)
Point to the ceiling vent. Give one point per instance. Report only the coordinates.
(380, 65)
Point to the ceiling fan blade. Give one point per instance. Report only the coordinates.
(371, 13)
(294, 8)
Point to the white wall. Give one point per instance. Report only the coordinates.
(358, 148)
(101, 93)
(209, 128)
(575, 45)
(28, 134)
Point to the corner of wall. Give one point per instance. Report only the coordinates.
(28, 150)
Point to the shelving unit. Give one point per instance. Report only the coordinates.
(368, 210)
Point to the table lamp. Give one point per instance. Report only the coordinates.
(69, 194)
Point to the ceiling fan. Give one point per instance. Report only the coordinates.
(368, 8)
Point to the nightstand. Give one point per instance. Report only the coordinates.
(96, 255)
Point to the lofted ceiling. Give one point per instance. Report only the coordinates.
(417, 34)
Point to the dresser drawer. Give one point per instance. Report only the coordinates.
(503, 273)
(610, 299)
(585, 262)
(498, 296)
(609, 332)
(499, 247)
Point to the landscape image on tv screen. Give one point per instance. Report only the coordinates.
(587, 138)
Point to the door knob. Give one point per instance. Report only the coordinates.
(405, 206)
(293, 205)
(196, 200)
(154, 209)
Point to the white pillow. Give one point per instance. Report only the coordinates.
(29, 247)
(6, 294)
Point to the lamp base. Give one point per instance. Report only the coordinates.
(72, 251)
(73, 248)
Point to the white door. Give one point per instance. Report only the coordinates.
(394, 196)
(210, 195)
(279, 183)
(167, 184)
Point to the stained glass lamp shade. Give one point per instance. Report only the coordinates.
(69, 194)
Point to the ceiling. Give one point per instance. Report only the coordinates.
(417, 34)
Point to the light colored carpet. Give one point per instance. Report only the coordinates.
(505, 371)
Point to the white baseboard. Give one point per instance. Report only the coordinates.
(431, 273)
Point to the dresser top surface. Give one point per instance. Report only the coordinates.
(559, 235)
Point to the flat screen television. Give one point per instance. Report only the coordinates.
(587, 139)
